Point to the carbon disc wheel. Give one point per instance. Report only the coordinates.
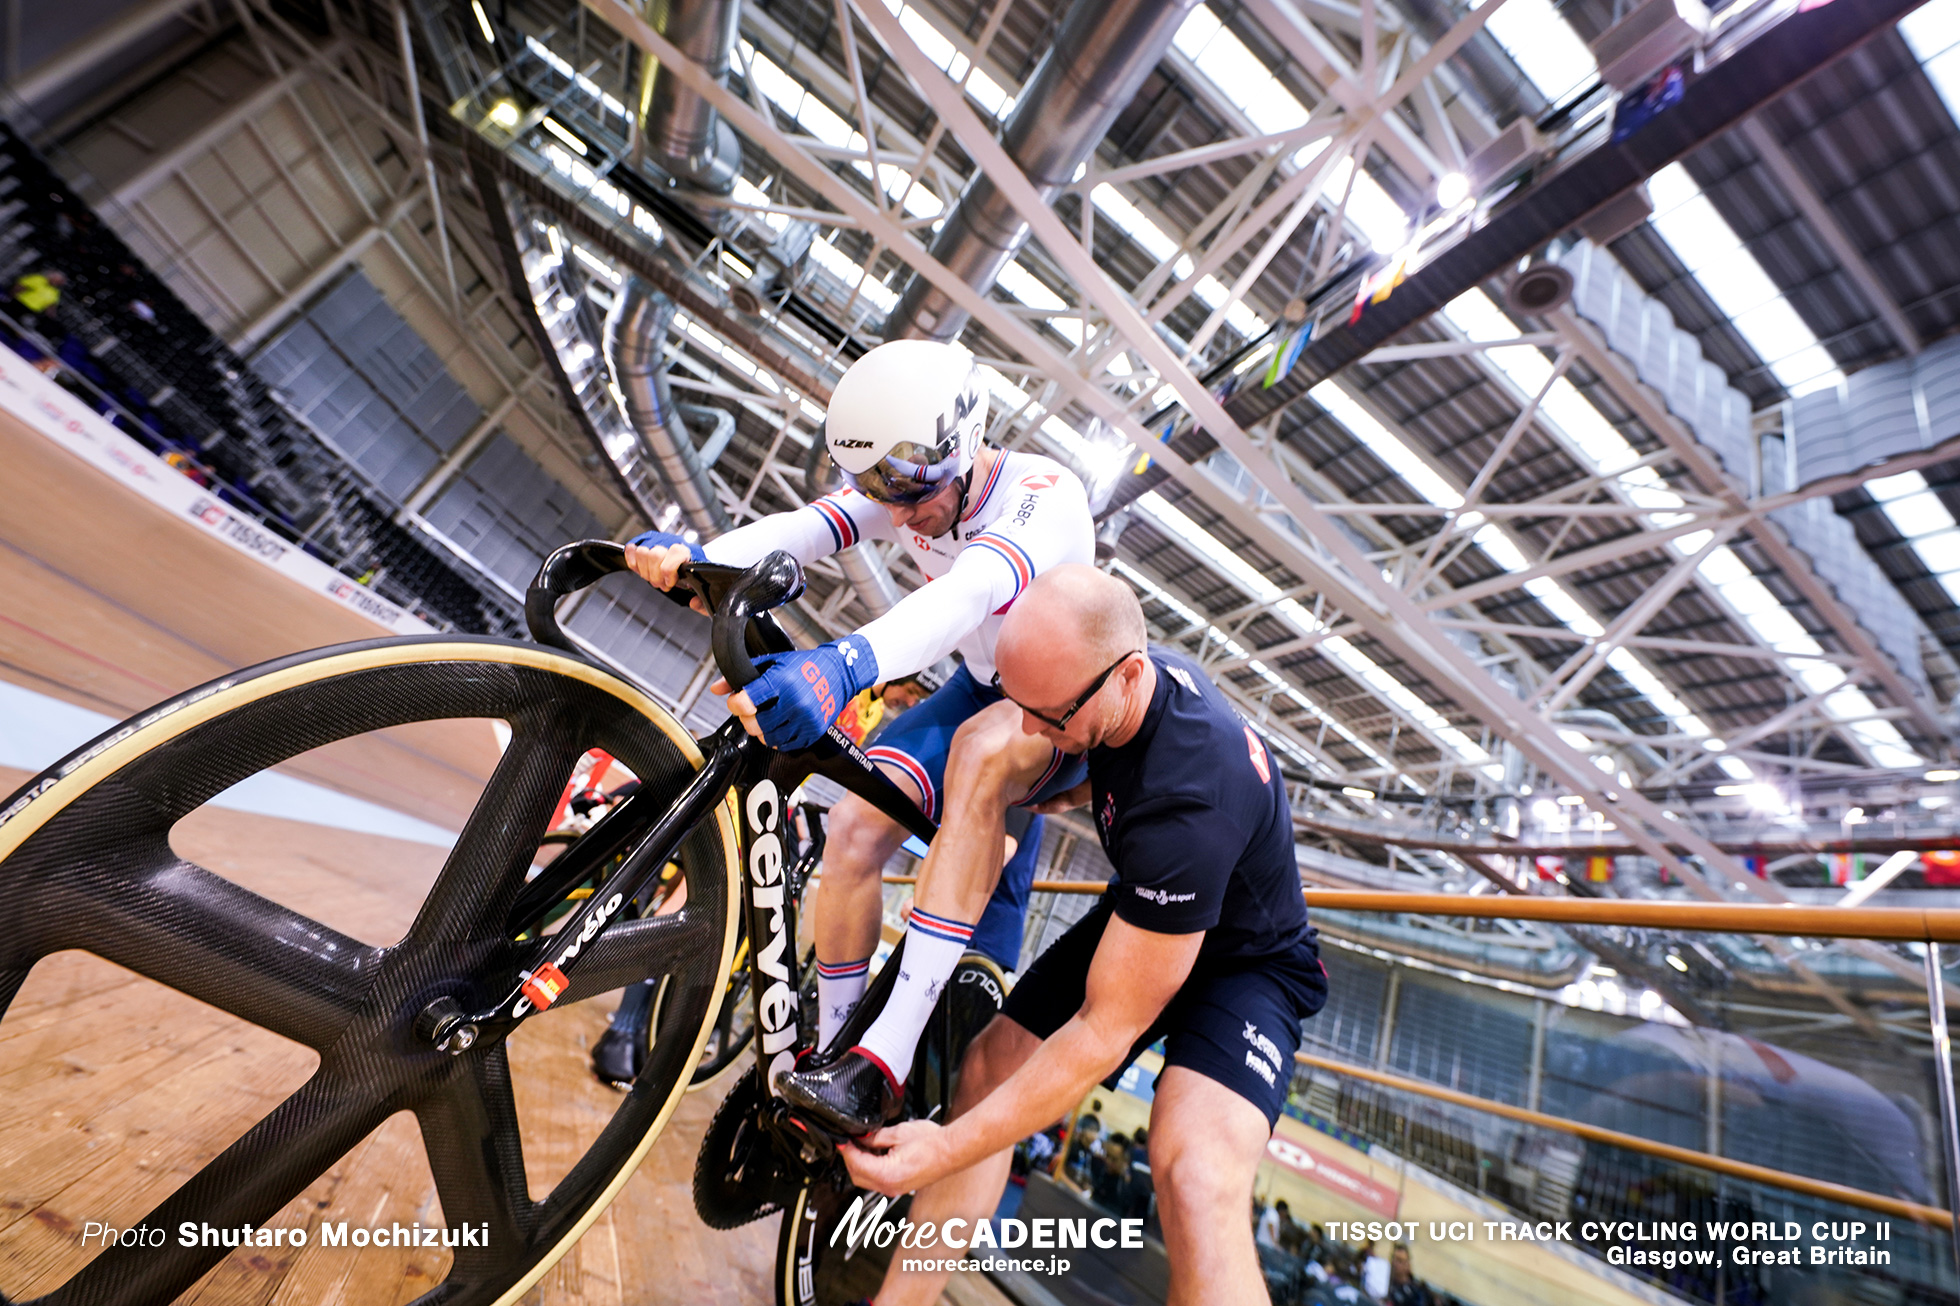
(87, 866)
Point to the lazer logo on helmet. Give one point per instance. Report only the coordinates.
(776, 1007)
(851, 444)
(965, 403)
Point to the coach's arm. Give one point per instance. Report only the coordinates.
(1132, 977)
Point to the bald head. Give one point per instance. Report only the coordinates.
(1072, 622)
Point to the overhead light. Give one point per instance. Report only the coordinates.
(1452, 189)
(483, 21)
(1605, 970)
(504, 113)
(1764, 798)
(1714, 745)
(1941, 777)
(1674, 960)
(1571, 800)
(1353, 791)
(559, 130)
(1730, 791)
(1856, 816)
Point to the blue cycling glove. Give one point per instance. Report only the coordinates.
(798, 695)
(661, 539)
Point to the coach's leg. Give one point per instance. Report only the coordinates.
(992, 763)
(1205, 1146)
(849, 903)
(972, 1193)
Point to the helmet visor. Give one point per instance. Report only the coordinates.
(910, 473)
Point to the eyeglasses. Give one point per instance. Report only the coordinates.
(1082, 699)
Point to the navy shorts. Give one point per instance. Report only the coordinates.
(1236, 1025)
(919, 739)
(917, 742)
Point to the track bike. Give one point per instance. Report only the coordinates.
(426, 1025)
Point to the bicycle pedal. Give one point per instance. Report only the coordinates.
(815, 1145)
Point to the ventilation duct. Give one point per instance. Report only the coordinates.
(682, 132)
(1099, 60)
(635, 331)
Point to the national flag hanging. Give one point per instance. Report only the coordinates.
(1756, 866)
(1645, 103)
(1847, 868)
(1599, 870)
(1377, 288)
(1942, 866)
(1288, 353)
(1550, 868)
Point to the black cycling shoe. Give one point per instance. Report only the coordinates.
(617, 1058)
(851, 1095)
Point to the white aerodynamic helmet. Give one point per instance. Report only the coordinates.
(906, 420)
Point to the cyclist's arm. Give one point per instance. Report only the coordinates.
(1050, 525)
(816, 530)
(1133, 976)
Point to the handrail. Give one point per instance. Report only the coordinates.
(1357, 832)
(1895, 924)
(1895, 1206)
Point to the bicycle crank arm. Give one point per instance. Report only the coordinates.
(541, 985)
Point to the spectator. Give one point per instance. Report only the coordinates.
(1292, 1236)
(1116, 1188)
(38, 292)
(1082, 1149)
(1267, 1232)
(1404, 1289)
(1374, 1272)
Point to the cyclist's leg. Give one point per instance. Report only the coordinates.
(1002, 924)
(912, 751)
(991, 766)
(970, 1194)
(859, 841)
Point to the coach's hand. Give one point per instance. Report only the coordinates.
(798, 695)
(656, 558)
(900, 1158)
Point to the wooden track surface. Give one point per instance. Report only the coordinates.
(109, 602)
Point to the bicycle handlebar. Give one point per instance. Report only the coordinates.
(739, 597)
(569, 569)
(771, 583)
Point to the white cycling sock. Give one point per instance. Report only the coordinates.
(838, 989)
(933, 946)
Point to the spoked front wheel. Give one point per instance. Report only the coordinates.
(87, 866)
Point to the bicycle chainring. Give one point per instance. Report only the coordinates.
(738, 1176)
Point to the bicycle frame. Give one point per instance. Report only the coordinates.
(760, 778)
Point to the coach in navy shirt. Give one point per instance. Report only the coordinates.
(1201, 939)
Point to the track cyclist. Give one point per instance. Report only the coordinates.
(905, 426)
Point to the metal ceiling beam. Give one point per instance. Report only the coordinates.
(70, 62)
(1786, 54)
(1702, 468)
(1831, 232)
